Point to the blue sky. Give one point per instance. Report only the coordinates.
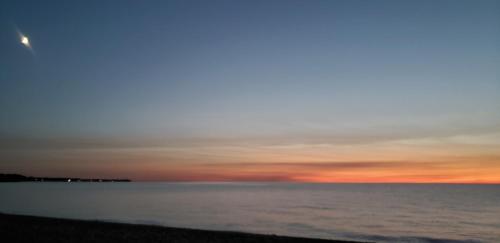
(259, 72)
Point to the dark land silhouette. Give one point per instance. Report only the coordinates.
(22, 178)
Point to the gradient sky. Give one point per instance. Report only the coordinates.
(323, 91)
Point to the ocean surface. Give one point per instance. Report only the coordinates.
(367, 212)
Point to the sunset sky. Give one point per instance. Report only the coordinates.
(316, 91)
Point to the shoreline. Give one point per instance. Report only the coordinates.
(23, 178)
(24, 228)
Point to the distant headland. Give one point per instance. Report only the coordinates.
(22, 178)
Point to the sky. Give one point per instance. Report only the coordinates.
(305, 91)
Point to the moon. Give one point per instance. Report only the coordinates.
(25, 41)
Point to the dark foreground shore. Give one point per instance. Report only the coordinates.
(17, 228)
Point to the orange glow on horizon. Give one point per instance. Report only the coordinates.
(335, 172)
(373, 163)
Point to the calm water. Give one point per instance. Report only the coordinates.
(375, 212)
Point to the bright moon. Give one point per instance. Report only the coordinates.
(25, 41)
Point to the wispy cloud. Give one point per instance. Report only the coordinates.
(405, 135)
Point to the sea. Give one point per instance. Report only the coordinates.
(416, 213)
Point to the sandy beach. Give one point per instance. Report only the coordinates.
(19, 228)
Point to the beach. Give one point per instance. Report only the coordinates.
(20, 228)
